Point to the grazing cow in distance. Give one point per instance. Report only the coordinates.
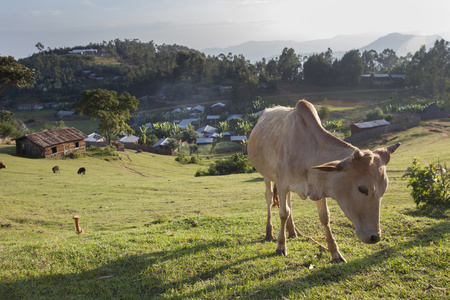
(82, 171)
(2, 165)
(291, 149)
(55, 169)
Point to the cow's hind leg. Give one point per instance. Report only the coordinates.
(269, 201)
(324, 216)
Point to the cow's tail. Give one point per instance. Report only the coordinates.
(275, 199)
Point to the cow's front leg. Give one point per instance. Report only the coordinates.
(284, 215)
(324, 216)
(269, 201)
(290, 221)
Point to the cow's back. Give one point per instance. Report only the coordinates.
(266, 137)
(290, 138)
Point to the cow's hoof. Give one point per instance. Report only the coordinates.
(292, 235)
(281, 252)
(338, 259)
(269, 238)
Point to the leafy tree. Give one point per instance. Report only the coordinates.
(112, 111)
(14, 74)
(319, 69)
(6, 116)
(387, 60)
(369, 58)
(351, 67)
(289, 65)
(40, 46)
(9, 126)
(189, 133)
(430, 71)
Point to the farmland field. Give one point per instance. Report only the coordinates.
(154, 230)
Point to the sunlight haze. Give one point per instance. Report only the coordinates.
(201, 24)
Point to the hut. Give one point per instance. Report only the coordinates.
(51, 143)
(364, 126)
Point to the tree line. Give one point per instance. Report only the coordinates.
(178, 72)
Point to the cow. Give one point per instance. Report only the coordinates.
(55, 169)
(294, 153)
(2, 165)
(82, 171)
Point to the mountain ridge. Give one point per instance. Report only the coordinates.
(402, 44)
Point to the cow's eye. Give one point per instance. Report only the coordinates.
(364, 190)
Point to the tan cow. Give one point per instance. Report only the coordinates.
(291, 149)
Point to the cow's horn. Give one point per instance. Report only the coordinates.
(392, 148)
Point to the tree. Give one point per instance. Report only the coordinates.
(14, 74)
(289, 65)
(351, 67)
(369, 60)
(40, 46)
(387, 60)
(318, 70)
(112, 111)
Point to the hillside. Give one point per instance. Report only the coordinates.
(153, 230)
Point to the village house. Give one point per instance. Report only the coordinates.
(51, 143)
(363, 126)
(218, 108)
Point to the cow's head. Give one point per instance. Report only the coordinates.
(2, 165)
(357, 184)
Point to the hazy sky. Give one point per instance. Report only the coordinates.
(203, 24)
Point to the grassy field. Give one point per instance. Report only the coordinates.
(153, 230)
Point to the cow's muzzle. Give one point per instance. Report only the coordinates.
(375, 239)
(369, 238)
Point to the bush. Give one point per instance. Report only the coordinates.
(186, 160)
(75, 154)
(109, 150)
(332, 124)
(431, 184)
(377, 114)
(237, 163)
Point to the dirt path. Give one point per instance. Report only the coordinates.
(137, 172)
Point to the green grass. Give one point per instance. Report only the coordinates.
(153, 230)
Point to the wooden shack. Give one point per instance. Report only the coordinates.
(364, 126)
(51, 143)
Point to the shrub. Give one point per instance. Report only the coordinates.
(332, 124)
(237, 163)
(186, 160)
(431, 184)
(75, 154)
(109, 150)
(377, 114)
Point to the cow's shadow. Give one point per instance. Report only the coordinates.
(152, 285)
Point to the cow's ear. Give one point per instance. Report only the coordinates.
(331, 166)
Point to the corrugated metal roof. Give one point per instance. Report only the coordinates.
(204, 141)
(238, 138)
(54, 137)
(371, 124)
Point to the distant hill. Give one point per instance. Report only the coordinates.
(400, 43)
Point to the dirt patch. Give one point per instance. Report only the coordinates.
(438, 127)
